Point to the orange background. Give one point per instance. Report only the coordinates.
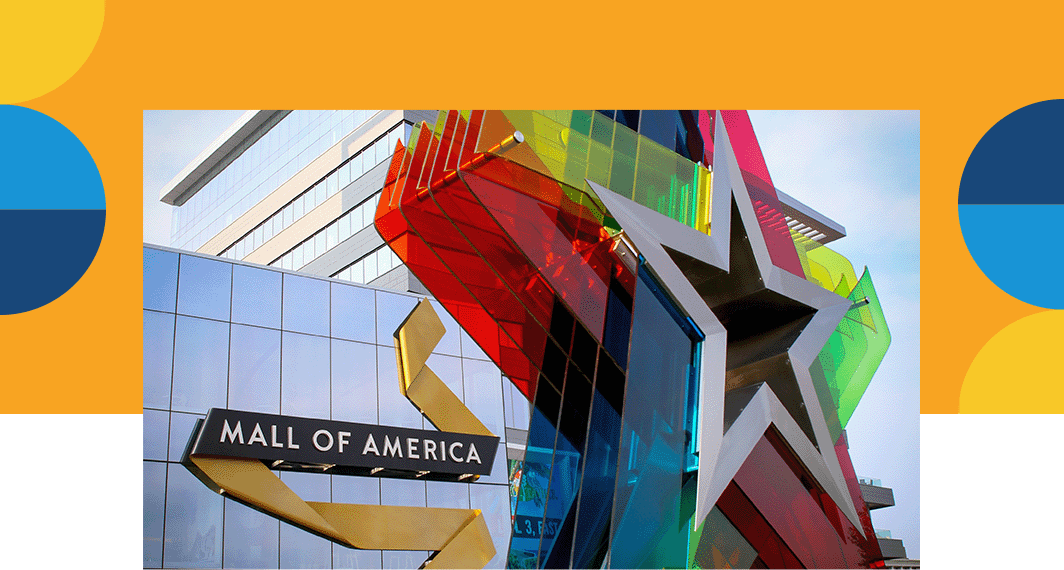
(964, 72)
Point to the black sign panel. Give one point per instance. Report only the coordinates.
(233, 433)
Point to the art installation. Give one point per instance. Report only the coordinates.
(691, 352)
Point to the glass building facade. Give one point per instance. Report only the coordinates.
(226, 334)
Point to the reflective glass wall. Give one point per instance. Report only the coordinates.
(227, 334)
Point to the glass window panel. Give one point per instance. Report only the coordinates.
(289, 215)
(494, 502)
(256, 296)
(447, 495)
(160, 280)
(204, 287)
(154, 502)
(350, 307)
(449, 370)
(358, 272)
(193, 522)
(319, 244)
(158, 358)
(393, 408)
(356, 167)
(305, 375)
(255, 369)
(319, 194)
(345, 227)
(300, 206)
(403, 492)
(308, 251)
(250, 537)
(451, 341)
(354, 382)
(345, 175)
(201, 359)
(399, 559)
(384, 261)
(156, 434)
(298, 257)
(358, 491)
(299, 548)
(392, 310)
(332, 183)
(470, 348)
(483, 395)
(306, 305)
(181, 426)
(370, 264)
(381, 150)
(367, 214)
(332, 236)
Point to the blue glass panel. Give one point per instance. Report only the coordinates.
(350, 308)
(160, 280)
(255, 369)
(256, 296)
(403, 492)
(193, 522)
(154, 501)
(299, 548)
(493, 501)
(499, 473)
(354, 382)
(251, 538)
(654, 444)
(156, 434)
(304, 375)
(592, 526)
(306, 305)
(393, 408)
(204, 287)
(158, 358)
(533, 487)
(201, 360)
(392, 310)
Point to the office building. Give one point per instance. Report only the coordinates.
(660, 339)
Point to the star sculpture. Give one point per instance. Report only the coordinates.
(764, 327)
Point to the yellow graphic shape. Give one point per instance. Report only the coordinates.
(1019, 370)
(44, 44)
(458, 536)
(414, 340)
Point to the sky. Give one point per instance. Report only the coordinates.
(859, 168)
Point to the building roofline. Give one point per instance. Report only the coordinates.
(810, 218)
(243, 133)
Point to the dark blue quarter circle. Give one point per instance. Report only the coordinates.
(1018, 161)
(45, 252)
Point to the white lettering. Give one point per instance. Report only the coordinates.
(473, 455)
(257, 435)
(411, 448)
(290, 444)
(341, 437)
(273, 437)
(320, 446)
(430, 449)
(454, 457)
(234, 435)
(392, 450)
(371, 445)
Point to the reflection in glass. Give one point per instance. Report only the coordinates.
(483, 395)
(154, 499)
(160, 280)
(204, 287)
(201, 357)
(354, 382)
(158, 358)
(306, 305)
(181, 426)
(350, 307)
(250, 537)
(305, 375)
(448, 495)
(255, 369)
(156, 434)
(494, 502)
(256, 296)
(193, 522)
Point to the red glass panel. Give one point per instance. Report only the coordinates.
(772, 551)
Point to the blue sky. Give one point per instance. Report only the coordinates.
(860, 168)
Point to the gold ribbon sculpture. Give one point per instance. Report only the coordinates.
(459, 537)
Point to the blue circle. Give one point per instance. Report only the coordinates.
(1011, 204)
(52, 209)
